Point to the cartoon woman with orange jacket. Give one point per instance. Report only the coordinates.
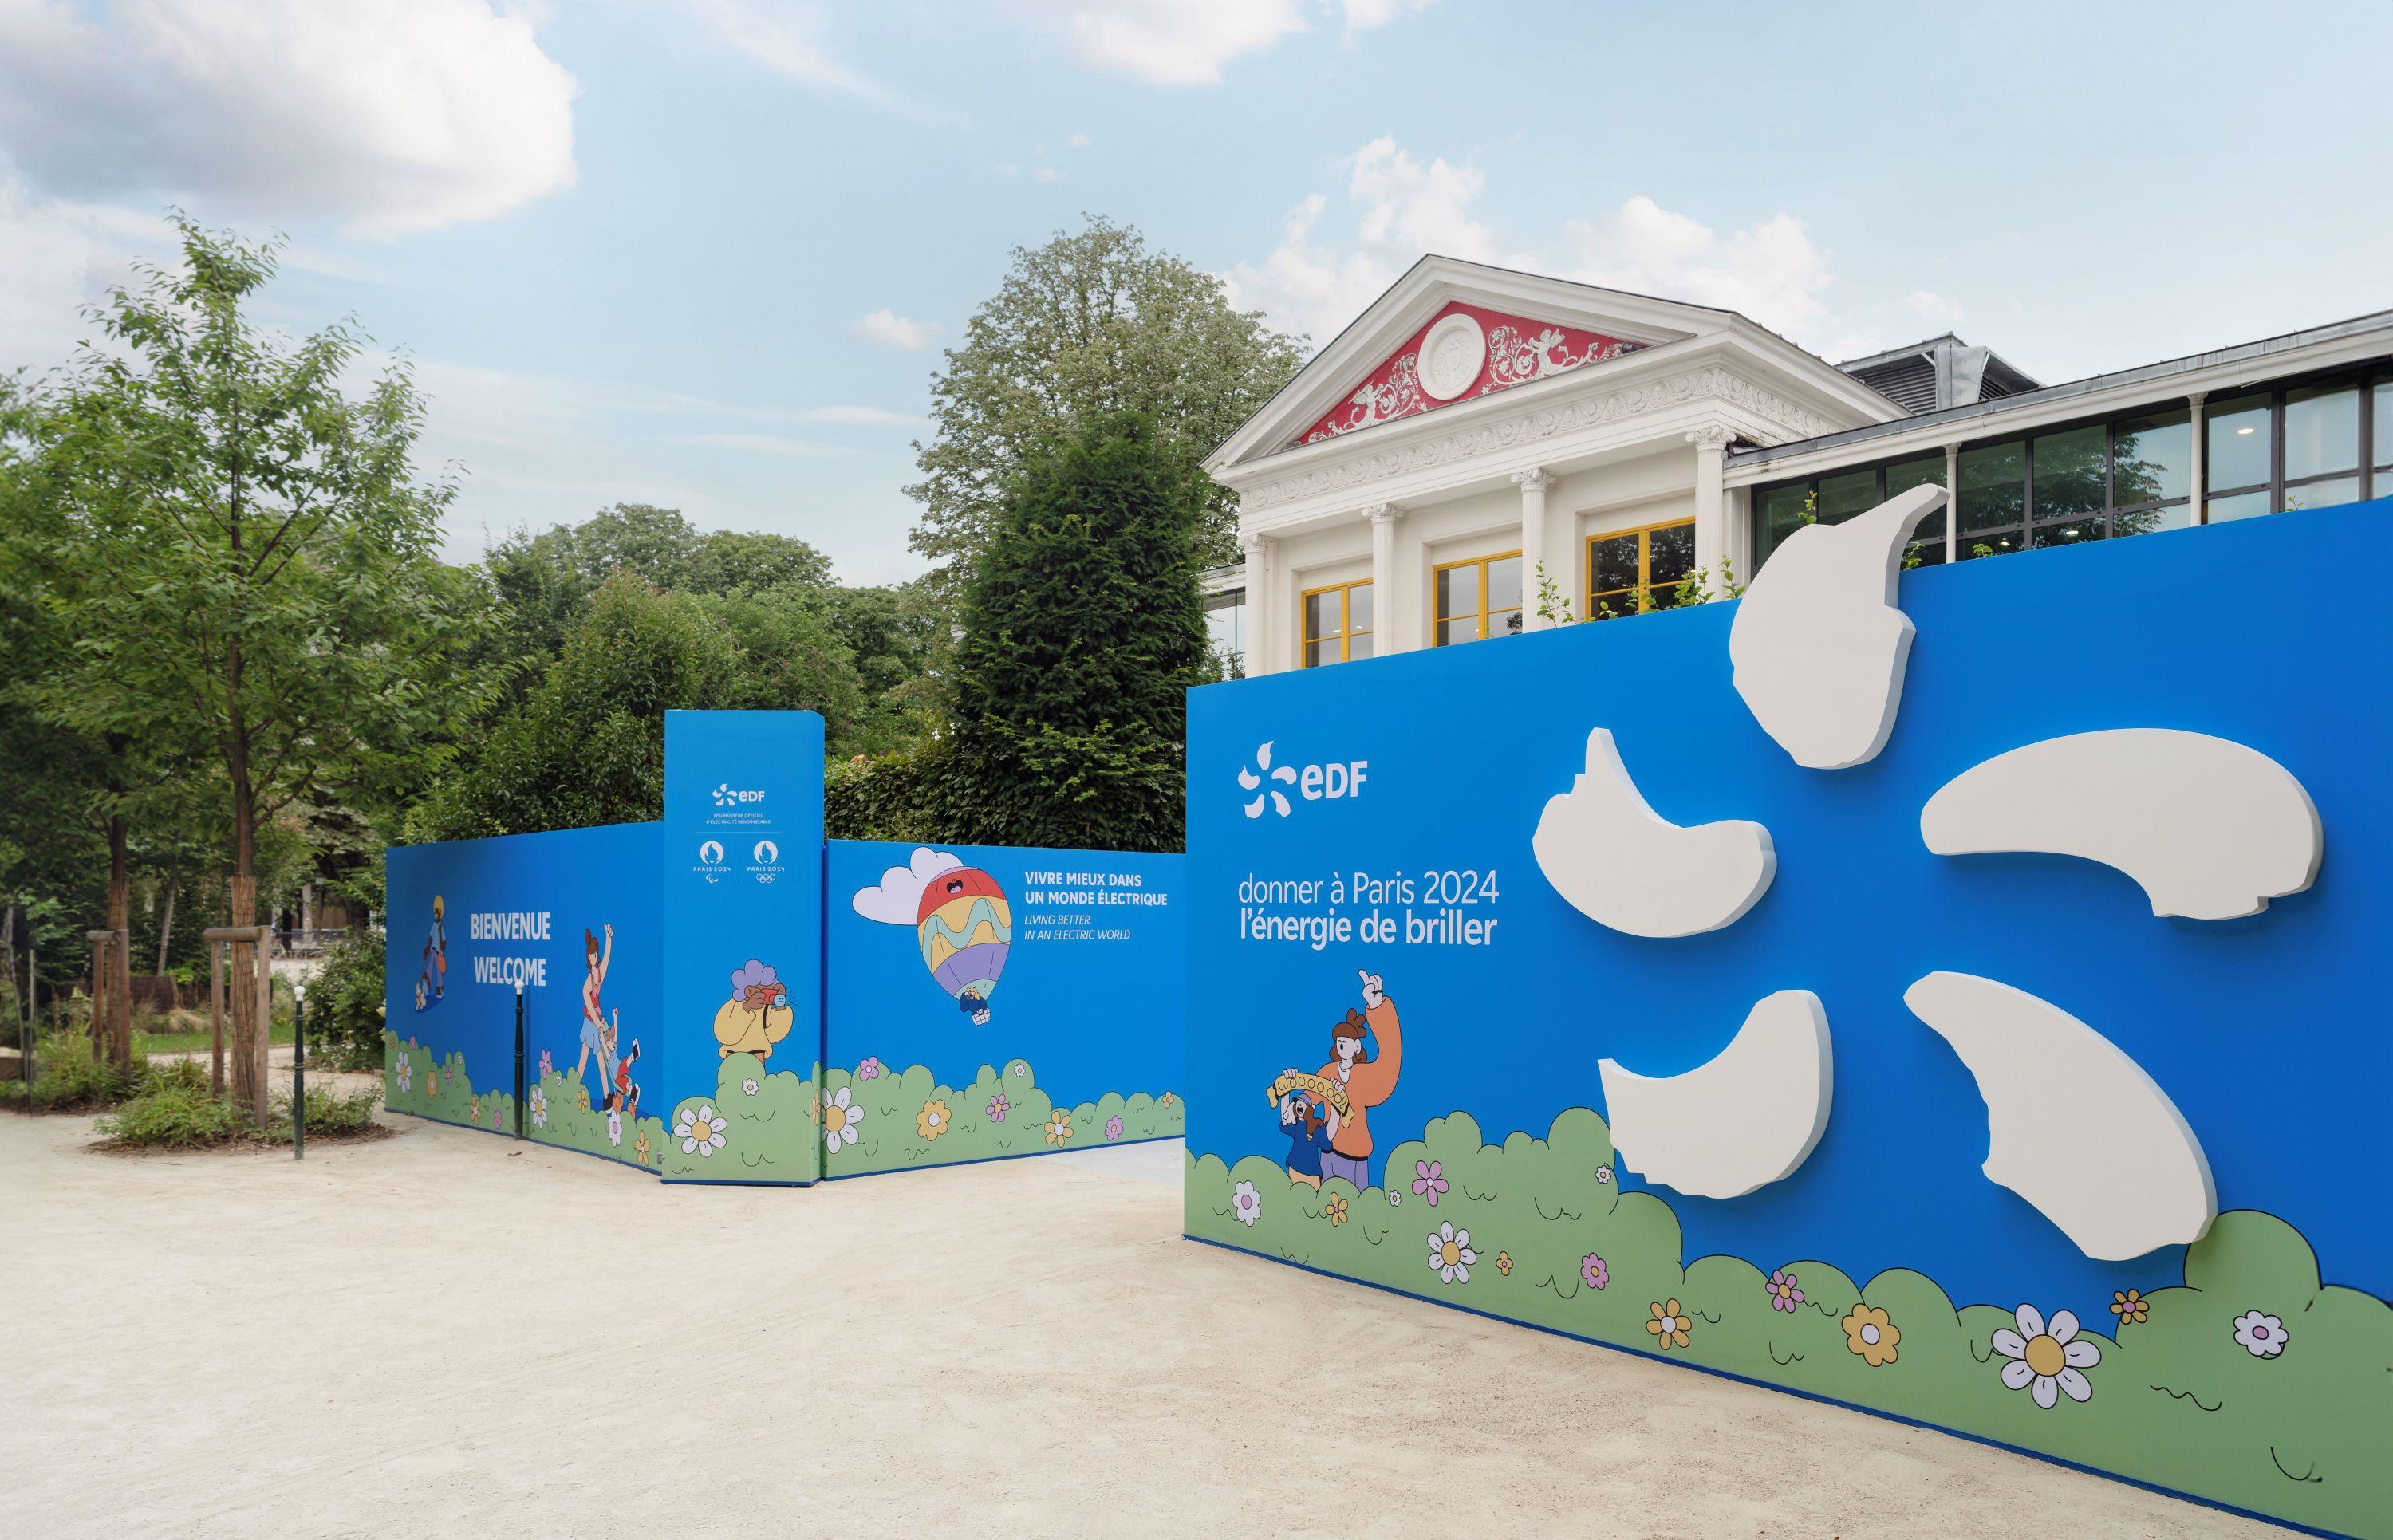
(1369, 1082)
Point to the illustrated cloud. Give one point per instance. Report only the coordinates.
(899, 893)
(1622, 865)
(1744, 1118)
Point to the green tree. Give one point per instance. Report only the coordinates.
(1082, 632)
(1089, 324)
(587, 745)
(272, 586)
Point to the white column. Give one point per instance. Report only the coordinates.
(1533, 483)
(1386, 599)
(1711, 502)
(1952, 503)
(2200, 478)
(1262, 629)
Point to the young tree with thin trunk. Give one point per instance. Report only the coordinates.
(268, 556)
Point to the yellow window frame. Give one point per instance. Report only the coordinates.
(1644, 533)
(1437, 622)
(1345, 633)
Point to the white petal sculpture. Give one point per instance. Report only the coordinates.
(1818, 647)
(1744, 1120)
(2073, 1125)
(2209, 828)
(1620, 864)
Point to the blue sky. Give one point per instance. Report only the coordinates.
(704, 253)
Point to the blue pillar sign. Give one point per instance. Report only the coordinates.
(743, 853)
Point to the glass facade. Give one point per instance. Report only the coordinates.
(1226, 631)
(1635, 571)
(1779, 511)
(1337, 623)
(1476, 598)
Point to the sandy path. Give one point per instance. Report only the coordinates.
(445, 1333)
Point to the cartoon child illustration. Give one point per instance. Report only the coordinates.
(623, 1095)
(432, 980)
(1368, 1082)
(594, 1021)
(757, 1015)
(1309, 1134)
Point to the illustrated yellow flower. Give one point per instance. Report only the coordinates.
(1164, 1100)
(1059, 1127)
(933, 1120)
(814, 1106)
(2130, 1305)
(1335, 1209)
(582, 1094)
(1504, 1263)
(1669, 1326)
(640, 1148)
(431, 1082)
(1870, 1333)
(473, 1110)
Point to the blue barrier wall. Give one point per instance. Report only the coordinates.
(528, 907)
(987, 1001)
(2271, 1033)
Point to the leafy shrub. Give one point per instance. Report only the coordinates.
(172, 1115)
(69, 1078)
(345, 1004)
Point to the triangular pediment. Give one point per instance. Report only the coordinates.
(1465, 351)
(1450, 333)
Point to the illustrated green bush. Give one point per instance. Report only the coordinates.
(898, 1129)
(413, 1082)
(768, 1128)
(2175, 1398)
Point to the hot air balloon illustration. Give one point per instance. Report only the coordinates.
(966, 929)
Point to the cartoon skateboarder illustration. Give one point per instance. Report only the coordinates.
(1366, 1082)
(432, 980)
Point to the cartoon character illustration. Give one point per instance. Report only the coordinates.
(1366, 1082)
(622, 1096)
(432, 979)
(594, 1020)
(758, 1014)
(1311, 1135)
(961, 918)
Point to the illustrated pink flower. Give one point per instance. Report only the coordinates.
(547, 1062)
(1427, 1181)
(1113, 1129)
(1783, 1293)
(869, 1070)
(998, 1107)
(1591, 1267)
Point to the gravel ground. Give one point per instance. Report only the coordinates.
(446, 1333)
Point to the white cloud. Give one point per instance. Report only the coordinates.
(1007, 168)
(1768, 271)
(899, 892)
(892, 330)
(1075, 142)
(387, 119)
(1403, 210)
(1361, 16)
(763, 443)
(1168, 42)
(1046, 173)
(56, 257)
(1934, 309)
(784, 39)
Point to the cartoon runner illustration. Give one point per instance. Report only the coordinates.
(623, 1095)
(1368, 1082)
(594, 1020)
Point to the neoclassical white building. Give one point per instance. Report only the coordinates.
(1482, 444)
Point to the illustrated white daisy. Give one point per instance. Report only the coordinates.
(748, 1086)
(539, 1108)
(1449, 1253)
(1245, 1204)
(2261, 1335)
(406, 1073)
(614, 1128)
(2051, 1358)
(1603, 1175)
(699, 1129)
(840, 1118)
(1396, 1198)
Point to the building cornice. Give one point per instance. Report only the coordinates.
(1501, 432)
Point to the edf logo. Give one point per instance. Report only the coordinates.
(1313, 782)
(727, 795)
